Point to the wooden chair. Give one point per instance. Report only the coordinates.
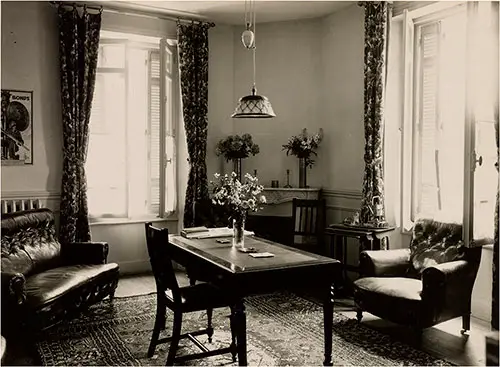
(308, 218)
(180, 300)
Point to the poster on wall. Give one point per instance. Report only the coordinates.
(17, 127)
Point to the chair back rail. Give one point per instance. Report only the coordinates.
(308, 216)
(161, 261)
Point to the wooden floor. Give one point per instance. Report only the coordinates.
(443, 341)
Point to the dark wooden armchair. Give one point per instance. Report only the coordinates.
(180, 300)
(424, 285)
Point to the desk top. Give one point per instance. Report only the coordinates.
(231, 260)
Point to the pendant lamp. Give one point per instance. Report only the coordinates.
(253, 105)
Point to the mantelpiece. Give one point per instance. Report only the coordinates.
(279, 195)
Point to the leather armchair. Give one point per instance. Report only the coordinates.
(424, 285)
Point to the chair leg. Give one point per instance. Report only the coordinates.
(359, 314)
(234, 350)
(210, 329)
(174, 343)
(158, 327)
(465, 323)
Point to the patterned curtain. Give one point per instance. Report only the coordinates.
(377, 17)
(192, 41)
(78, 50)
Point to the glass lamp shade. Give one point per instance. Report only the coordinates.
(253, 106)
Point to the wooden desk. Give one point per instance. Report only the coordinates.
(242, 275)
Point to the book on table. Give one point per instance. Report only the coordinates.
(204, 232)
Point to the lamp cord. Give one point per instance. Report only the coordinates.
(254, 89)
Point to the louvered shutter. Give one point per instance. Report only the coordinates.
(154, 131)
(428, 199)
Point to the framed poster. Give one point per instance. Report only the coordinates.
(17, 127)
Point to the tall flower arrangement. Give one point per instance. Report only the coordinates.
(304, 145)
(238, 198)
(235, 146)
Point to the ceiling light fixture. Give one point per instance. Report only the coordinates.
(253, 105)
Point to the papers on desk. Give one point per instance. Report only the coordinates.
(261, 254)
(204, 232)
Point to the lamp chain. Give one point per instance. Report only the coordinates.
(254, 90)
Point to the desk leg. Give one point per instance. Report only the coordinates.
(328, 323)
(239, 319)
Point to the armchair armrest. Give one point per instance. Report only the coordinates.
(13, 287)
(451, 279)
(384, 263)
(75, 253)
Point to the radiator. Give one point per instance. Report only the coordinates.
(15, 205)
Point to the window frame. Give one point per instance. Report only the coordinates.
(163, 43)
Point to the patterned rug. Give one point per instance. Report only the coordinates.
(282, 329)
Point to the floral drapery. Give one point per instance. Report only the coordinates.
(376, 36)
(494, 301)
(192, 41)
(78, 50)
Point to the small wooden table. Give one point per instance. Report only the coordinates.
(242, 275)
(370, 238)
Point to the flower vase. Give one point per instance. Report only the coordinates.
(237, 168)
(239, 232)
(302, 173)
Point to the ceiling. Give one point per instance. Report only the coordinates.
(232, 12)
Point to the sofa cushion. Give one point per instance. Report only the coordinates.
(29, 243)
(49, 285)
(406, 288)
(434, 243)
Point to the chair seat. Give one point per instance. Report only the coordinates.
(406, 288)
(200, 297)
(49, 285)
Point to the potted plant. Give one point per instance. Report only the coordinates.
(238, 199)
(304, 146)
(235, 148)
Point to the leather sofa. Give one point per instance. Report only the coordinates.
(424, 285)
(44, 281)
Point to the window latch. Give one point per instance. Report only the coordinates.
(476, 161)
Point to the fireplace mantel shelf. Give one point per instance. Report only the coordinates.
(278, 195)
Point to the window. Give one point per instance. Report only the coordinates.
(439, 117)
(446, 79)
(131, 156)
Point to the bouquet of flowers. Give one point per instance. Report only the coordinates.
(304, 145)
(235, 146)
(238, 198)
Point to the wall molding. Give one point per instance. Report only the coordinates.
(341, 208)
(346, 194)
(42, 194)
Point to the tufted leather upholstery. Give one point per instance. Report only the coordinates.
(422, 286)
(44, 281)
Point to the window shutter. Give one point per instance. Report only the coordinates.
(428, 200)
(154, 131)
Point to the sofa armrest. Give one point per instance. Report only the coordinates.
(75, 253)
(384, 263)
(452, 281)
(13, 287)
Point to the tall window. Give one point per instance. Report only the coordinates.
(439, 117)
(131, 157)
(449, 82)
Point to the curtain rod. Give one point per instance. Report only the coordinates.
(136, 10)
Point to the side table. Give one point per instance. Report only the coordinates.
(370, 238)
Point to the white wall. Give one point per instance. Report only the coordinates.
(30, 62)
